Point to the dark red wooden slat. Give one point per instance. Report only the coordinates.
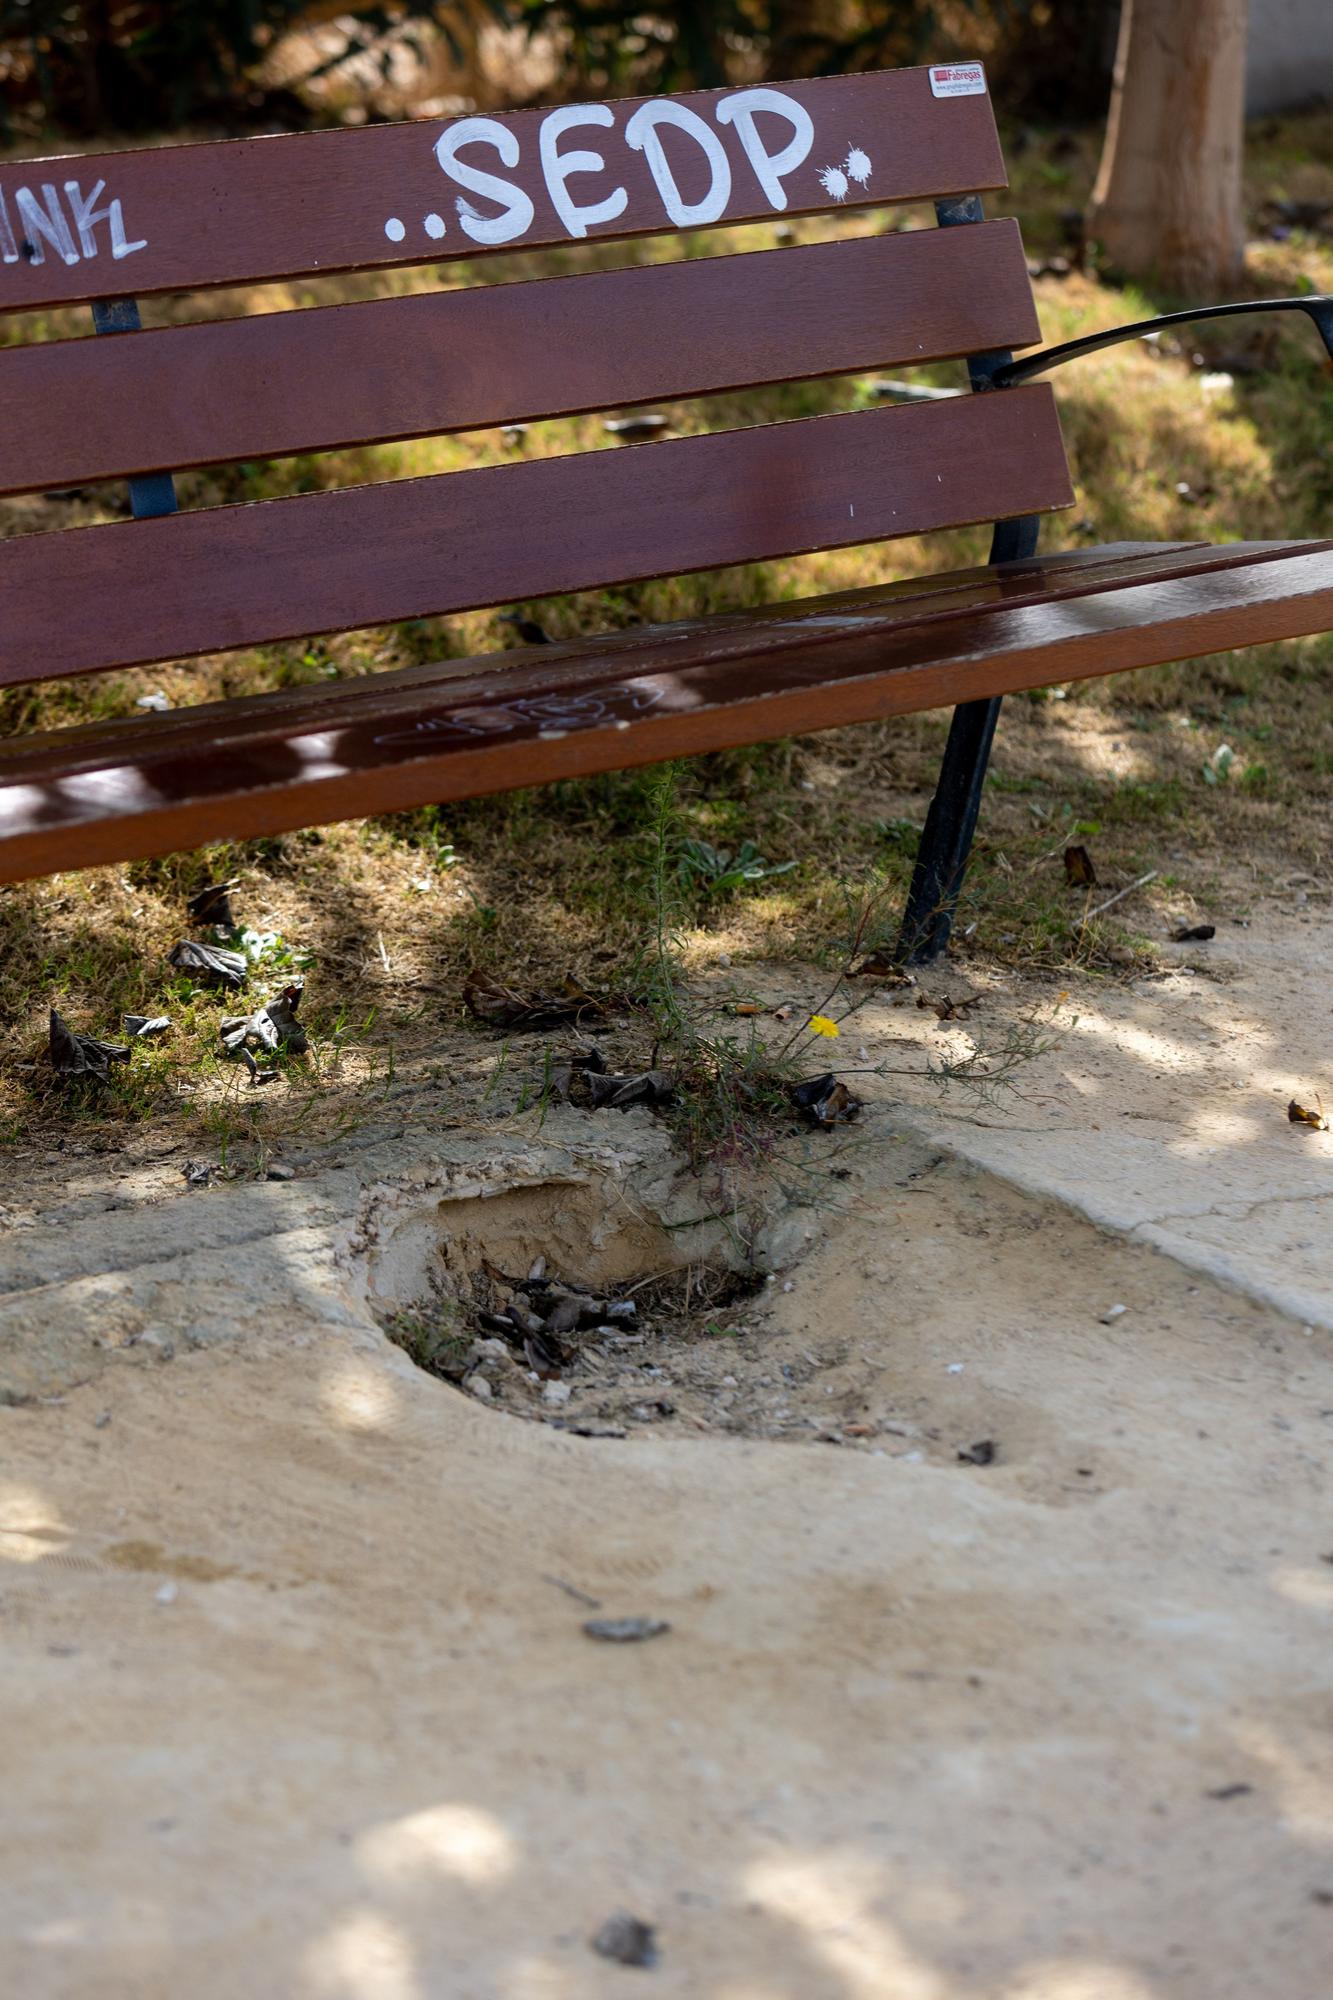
(799, 622)
(186, 217)
(241, 769)
(235, 576)
(79, 410)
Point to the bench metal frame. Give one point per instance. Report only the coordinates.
(951, 821)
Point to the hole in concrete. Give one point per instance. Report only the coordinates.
(591, 1228)
(575, 1303)
(545, 1345)
(869, 1345)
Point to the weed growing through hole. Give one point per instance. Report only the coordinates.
(730, 1092)
(431, 1337)
(543, 1096)
(733, 1090)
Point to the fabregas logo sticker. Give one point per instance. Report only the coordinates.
(957, 80)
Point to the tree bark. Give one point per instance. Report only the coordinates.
(1167, 204)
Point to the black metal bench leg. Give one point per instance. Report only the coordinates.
(946, 840)
(152, 493)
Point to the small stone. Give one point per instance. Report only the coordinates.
(564, 1316)
(478, 1386)
(628, 1940)
(101, 1420)
(625, 1631)
(278, 1170)
(1110, 1317)
(524, 1321)
(497, 1322)
(555, 1392)
(956, 1367)
(165, 1594)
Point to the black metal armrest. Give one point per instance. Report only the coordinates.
(1319, 309)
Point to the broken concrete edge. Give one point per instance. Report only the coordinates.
(1040, 1170)
(346, 1246)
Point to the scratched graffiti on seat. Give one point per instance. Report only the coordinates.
(553, 713)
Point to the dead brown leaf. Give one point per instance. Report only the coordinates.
(878, 965)
(500, 1006)
(945, 1009)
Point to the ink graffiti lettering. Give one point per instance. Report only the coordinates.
(38, 224)
(775, 133)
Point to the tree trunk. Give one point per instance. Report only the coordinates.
(1167, 203)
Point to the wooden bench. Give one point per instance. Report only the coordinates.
(108, 230)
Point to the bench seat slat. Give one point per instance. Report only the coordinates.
(76, 410)
(246, 768)
(225, 577)
(239, 211)
(656, 648)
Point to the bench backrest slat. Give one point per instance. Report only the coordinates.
(146, 404)
(234, 576)
(76, 410)
(244, 210)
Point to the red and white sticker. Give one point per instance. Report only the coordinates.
(957, 80)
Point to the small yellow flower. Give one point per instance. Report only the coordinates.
(820, 1024)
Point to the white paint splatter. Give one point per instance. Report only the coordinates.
(435, 226)
(395, 230)
(834, 182)
(857, 167)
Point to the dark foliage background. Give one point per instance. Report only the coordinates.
(131, 66)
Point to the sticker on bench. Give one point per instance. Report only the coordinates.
(780, 147)
(957, 80)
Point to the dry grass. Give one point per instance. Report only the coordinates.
(394, 910)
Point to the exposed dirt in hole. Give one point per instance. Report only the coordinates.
(598, 1362)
